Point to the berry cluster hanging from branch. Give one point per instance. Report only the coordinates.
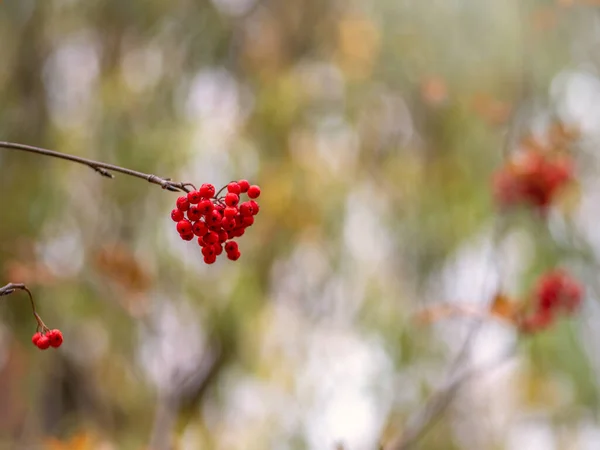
(215, 219)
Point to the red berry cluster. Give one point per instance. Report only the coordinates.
(50, 338)
(556, 292)
(216, 220)
(533, 177)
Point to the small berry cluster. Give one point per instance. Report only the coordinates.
(48, 338)
(533, 178)
(216, 220)
(556, 292)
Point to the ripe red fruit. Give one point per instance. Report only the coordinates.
(184, 227)
(208, 250)
(245, 209)
(206, 206)
(234, 188)
(194, 213)
(55, 337)
(228, 224)
(556, 289)
(214, 219)
(194, 197)
(255, 207)
(210, 259)
(218, 248)
(199, 228)
(187, 236)
(234, 256)
(230, 212)
(182, 203)
(232, 199)
(254, 191)
(247, 221)
(177, 215)
(238, 232)
(207, 190)
(43, 343)
(223, 235)
(231, 247)
(244, 185)
(211, 238)
(201, 242)
(36, 336)
(532, 177)
(538, 321)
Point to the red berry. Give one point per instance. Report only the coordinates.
(238, 232)
(230, 211)
(231, 247)
(538, 321)
(255, 207)
(43, 343)
(223, 235)
(210, 259)
(184, 226)
(214, 219)
(232, 199)
(253, 191)
(234, 256)
(182, 203)
(201, 242)
(244, 185)
(208, 250)
(234, 188)
(199, 228)
(55, 337)
(207, 190)
(228, 224)
(194, 213)
(194, 197)
(246, 209)
(187, 236)
(211, 238)
(36, 336)
(247, 221)
(218, 248)
(206, 206)
(177, 215)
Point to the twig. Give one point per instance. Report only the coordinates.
(103, 169)
(437, 404)
(186, 390)
(11, 288)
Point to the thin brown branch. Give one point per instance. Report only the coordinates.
(11, 288)
(103, 169)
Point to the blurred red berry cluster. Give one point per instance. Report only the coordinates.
(216, 220)
(556, 293)
(50, 338)
(533, 178)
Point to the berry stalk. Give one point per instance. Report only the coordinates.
(43, 337)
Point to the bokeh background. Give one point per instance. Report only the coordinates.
(373, 128)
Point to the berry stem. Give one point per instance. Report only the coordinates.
(10, 288)
(220, 190)
(103, 169)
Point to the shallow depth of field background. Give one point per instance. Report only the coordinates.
(373, 129)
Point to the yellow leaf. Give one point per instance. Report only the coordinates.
(503, 307)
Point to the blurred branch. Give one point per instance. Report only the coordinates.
(189, 390)
(438, 402)
(103, 169)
